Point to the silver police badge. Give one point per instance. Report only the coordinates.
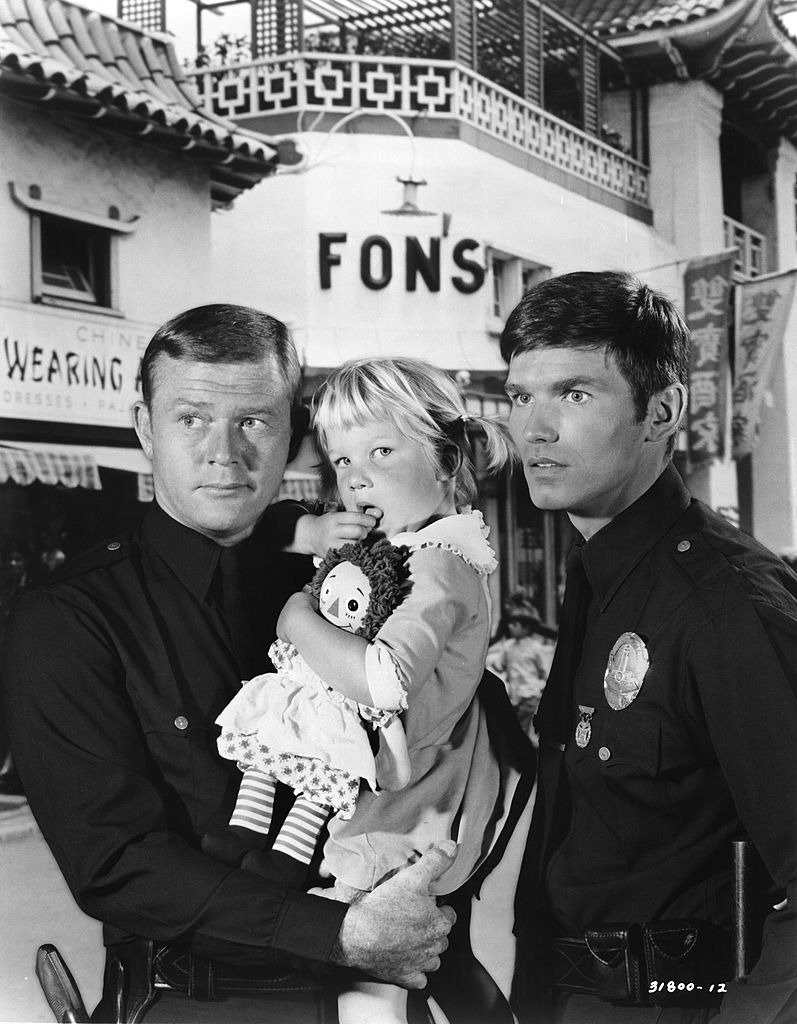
(628, 663)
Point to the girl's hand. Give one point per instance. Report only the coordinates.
(315, 535)
(297, 607)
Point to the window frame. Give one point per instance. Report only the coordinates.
(509, 288)
(90, 297)
(105, 229)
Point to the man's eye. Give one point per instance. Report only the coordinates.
(520, 398)
(249, 422)
(577, 397)
(187, 419)
(353, 605)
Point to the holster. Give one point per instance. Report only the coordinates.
(616, 963)
(686, 963)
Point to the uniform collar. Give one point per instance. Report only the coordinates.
(191, 556)
(616, 549)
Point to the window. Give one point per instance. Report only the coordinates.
(71, 261)
(510, 278)
(500, 274)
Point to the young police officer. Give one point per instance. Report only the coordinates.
(117, 667)
(668, 727)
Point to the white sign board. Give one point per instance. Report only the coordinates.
(67, 367)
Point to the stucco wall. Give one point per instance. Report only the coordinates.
(266, 250)
(164, 265)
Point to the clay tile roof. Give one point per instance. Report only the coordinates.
(610, 17)
(66, 57)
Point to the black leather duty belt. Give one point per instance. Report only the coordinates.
(661, 963)
(173, 968)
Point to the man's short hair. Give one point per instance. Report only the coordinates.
(222, 333)
(641, 328)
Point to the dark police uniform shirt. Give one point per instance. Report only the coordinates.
(116, 668)
(708, 748)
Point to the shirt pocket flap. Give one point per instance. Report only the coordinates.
(632, 738)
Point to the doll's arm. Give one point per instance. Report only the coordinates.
(336, 655)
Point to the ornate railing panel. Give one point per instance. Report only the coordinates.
(334, 83)
(752, 246)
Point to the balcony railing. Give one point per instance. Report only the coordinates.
(408, 87)
(752, 258)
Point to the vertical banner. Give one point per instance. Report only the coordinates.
(707, 293)
(762, 311)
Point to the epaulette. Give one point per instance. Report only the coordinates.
(709, 552)
(106, 553)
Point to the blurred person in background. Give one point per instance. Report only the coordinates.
(523, 660)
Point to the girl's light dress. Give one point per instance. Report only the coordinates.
(436, 643)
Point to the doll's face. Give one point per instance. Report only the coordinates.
(344, 596)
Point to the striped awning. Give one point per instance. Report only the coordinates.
(70, 469)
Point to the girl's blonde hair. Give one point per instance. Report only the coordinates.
(420, 400)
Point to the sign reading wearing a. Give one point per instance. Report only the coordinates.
(60, 366)
(763, 308)
(707, 287)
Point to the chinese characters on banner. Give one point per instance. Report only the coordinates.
(707, 287)
(762, 311)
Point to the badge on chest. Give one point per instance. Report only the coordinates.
(625, 671)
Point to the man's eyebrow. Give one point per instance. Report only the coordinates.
(576, 381)
(557, 386)
(250, 410)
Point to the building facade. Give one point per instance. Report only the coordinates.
(449, 158)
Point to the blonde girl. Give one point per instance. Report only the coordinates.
(396, 437)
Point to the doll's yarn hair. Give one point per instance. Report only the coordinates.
(424, 403)
(385, 567)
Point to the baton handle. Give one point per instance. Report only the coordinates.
(59, 987)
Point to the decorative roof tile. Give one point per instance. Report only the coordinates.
(68, 58)
(612, 17)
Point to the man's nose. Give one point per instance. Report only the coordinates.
(224, 445)
(539, 425)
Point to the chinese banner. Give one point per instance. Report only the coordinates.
(763, 308)
(707, 292)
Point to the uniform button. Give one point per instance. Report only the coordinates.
(114, 545)
(604, 753)
(181, 722)
(684, 545)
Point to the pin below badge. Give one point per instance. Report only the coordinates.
(584, 726)
(628, 663)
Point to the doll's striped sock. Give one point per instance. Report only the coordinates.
(255, 804)
(299, 834)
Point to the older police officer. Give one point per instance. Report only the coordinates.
(116, 669)
(668, 726)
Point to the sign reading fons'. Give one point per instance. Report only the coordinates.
(63, 367)
(379, 264)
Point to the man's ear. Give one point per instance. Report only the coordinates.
(300, 421)
(666, 411)
(143, 425)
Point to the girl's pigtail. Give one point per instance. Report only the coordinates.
(499, 447)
